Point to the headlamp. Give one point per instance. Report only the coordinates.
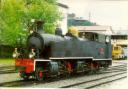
(14, 55)
(32, 54)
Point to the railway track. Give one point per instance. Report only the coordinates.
(98, 81)
(120, 70)
(116, 68)
(110, 72)
(3, 67)
(7, 69)
(88, 84)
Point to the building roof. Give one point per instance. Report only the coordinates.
(98, 29)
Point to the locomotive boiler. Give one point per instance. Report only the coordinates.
(55, 55)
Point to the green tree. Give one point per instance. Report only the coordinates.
(16, 15)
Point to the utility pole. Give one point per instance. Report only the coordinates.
(89, 16)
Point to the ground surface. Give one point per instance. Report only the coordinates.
(120, 84)
(7, 62)
(9, 77)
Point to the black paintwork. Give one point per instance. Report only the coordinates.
(57, 46)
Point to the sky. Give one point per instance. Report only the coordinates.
(104, 12)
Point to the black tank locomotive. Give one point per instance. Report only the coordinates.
(59, 55)
(50, 45)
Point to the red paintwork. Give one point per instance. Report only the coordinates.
(101, 50)
(69, 67)
(41, 74)
(27, 63)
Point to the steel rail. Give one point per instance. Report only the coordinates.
(76, 84)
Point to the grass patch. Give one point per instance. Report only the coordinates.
(7, 62)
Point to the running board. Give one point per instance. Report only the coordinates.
(54, 58)
(102, 59)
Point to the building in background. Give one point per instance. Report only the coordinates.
(78, 21)
(97, 29)
(63, 8)
(121, 40)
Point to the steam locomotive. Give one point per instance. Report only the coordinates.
(55, 55)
